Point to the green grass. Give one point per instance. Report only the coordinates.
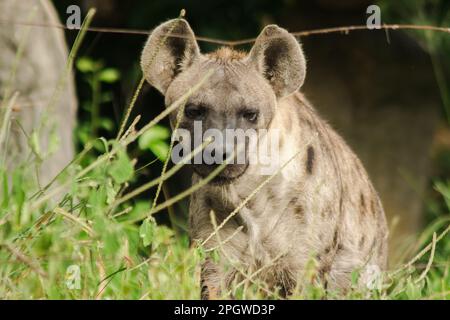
(86, 236)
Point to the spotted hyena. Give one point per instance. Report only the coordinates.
(319, 207)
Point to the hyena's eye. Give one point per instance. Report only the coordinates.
(250, 115)
(195, 112)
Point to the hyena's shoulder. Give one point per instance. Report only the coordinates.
(338, 186)
(327, 158)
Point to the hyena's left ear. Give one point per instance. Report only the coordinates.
(170, 48)
(277, 55)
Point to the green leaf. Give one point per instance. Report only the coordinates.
(156, 133)
(98, 145)
(139, 210)
(413, 290)
(122, 169)
(160, 149)
(85, 65)
(147, 231)
(155, 140)
(111, 192)
(109, 75)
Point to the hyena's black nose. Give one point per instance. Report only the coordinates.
(226, 156)
(221, 156)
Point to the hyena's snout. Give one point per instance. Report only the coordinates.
(227, 159)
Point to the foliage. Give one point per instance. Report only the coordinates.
(95, 75)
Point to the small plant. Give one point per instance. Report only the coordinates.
(155, 140)
(96, 76)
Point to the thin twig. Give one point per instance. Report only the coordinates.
(75, 219)
(166, 161)
(306, 33)
(23, 258)
(130, 107)
(421, 253)
(430, 261)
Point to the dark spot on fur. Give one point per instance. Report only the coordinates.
(208, 202)
(324, 269)
(372, 246)
(240, 222)
(286, 283)
(335, 238)
(326, 212)
(363, 203)
(362, 241)
(299, 211)
(204, 293)
(323, 272)
(270, 195)
(310, 159)
(292, 202)
(251, 203)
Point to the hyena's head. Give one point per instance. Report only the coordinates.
(242, 92)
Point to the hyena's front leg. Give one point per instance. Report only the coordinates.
(210, 280)
(199, 229)
(216, 276)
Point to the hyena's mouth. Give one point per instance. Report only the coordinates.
(229, 174)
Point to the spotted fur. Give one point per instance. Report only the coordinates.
(320, 205)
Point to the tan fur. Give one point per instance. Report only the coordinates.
(227, 55)
(321, 206)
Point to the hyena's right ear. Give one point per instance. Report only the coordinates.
(170, 48)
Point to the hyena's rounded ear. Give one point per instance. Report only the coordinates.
(170, 48)
(277, 55)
